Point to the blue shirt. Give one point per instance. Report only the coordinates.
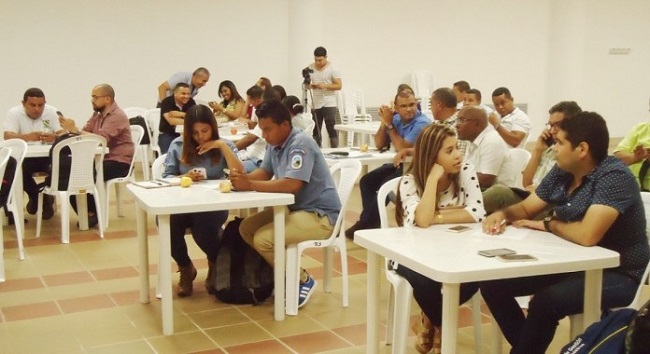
(612, 184)
(300, 158)
(174, 166)
(409, 130)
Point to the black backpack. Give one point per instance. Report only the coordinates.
(241, 276)
(637, 340)
(606, 336)
(139, 120)
(65, 163)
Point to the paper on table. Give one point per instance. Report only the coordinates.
(511, 233)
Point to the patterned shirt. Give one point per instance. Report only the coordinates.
(546, 163)
(451, 123)
(611, 184)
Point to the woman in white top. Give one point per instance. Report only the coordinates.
(438, 188)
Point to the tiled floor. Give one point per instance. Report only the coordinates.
(83, 298)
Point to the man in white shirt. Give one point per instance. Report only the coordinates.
(473, 97)
(511, 123)
(325, 81)
(460, 89)
(485, 149)
(33, 121)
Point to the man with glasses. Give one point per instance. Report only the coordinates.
(541, 162)
(109, 121)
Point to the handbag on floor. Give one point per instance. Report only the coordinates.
(637, 340)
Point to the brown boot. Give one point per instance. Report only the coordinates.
(188, 274)
(209, 284)
(425, 332)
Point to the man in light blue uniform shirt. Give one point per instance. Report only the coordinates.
(299, 168)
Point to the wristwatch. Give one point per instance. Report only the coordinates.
(547, 223)
(390, 127)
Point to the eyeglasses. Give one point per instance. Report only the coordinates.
(463, 120)
(94, 97)
(553, 125)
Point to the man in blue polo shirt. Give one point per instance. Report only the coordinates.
(299, 168)
(401, 129)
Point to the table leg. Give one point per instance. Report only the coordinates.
(19, 216)
(450, 298)
(143, 250)
(82, 210)
(165, 274)
(372, 298)
(593, 286)
(279, 260)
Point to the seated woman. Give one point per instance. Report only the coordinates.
(438, 188)
(198, 148)
(298, 119)
(233, 105)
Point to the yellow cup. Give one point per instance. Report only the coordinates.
(186, 182)
(225, 187)
(364, 148)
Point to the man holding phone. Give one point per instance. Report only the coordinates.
(34, 121)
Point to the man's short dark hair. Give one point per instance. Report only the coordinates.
(275, 110)
(33, 92)
(201, 71)
(567, 108)
(588, 127)
(462, 85)
(500, 91)
(474, 92)
(446, 97)
(254, 92)
(181, 84)
(271, 94)
(320, 52)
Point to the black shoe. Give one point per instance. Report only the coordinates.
(48, 207)
(92, 221)
(349, 233)
(32, 205)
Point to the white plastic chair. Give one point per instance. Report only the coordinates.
(84, 155)
(352, 113)
(349, 172)
(158, 167)
(153, 119)
(519, 158)
(399, 297)
(141, 151)
(577, 320)
(137, 132)
(4, 158)
(18, 151)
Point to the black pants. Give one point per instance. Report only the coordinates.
(112, 169)
(369, 185)
(331, 116)
(31, 166)
(205, 231)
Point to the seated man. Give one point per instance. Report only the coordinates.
(401, 130)
(299, 167)
(109, 121)
(511, 123)
(172, 113)
(634, 151)
(473, 97)
(194, 80)
(460, 89)
(34, 121)
(541, 162)
(485, 149)
(596, 202)
(253, 99)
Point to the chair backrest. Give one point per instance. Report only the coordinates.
(135, 111)
(83, 149)
(645, 280)
(158, 167)
(382, 193)
(137, 133)
(349, 171)
(18, 149)
(519, 158)
(5, 153)
(360, 102)
(153, 120)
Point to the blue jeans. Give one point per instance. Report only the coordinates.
(205, 227)
(369, 185)
(251, 165)
(555, 296)
(165, 139)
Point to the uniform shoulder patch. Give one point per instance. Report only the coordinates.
(296, 162)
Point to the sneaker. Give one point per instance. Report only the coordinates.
(48, 207)
(305, 291)
(32, 205)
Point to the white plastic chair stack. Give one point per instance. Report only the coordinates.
(18, 149)
(81, 182)
(141, 151)
(519, 158)
(353, 110)
(349, 172)
(136, 136)
(423, 86)
(4, 158)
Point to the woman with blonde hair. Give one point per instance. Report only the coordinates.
(438, 188)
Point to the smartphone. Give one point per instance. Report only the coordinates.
(58, 113)
(458, 228)
(496, 252)
(549, 141)
(340, 153)
(200, 171)
(516, 258)
(226, 173)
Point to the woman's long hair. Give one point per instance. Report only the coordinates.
(234, 94)
(198, 114)
(427, 147)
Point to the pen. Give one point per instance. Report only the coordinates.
(495, 228)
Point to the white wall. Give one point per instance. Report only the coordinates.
(543, 50)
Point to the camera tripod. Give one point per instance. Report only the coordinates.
(307, 93)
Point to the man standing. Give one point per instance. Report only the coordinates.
(299, 167)
(595, 202)
(513, 124)
(401, 130)
(34, 121)
(109, 121)
(194, 80)
(172, 113)
(485, 149)
(542, 161)
(325, 81)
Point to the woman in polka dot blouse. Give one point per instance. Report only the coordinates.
(438, 188)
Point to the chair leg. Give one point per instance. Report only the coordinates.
(403, 294)
(39, 215)
(20, 227)
(340, 244)
(292, 280)
(100, 222)
(118, 199)
(390, 316)
(476, 319)
(65, 220)
(327, 269)
(107, 193)
(2, 258)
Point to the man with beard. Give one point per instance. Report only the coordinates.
(109, 121)
(172, 113)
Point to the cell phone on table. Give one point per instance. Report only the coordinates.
(516, 258)
(458, 228)
(496, 252)
(200, 171)
(340, 153)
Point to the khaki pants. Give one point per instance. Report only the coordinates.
(257, 230)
